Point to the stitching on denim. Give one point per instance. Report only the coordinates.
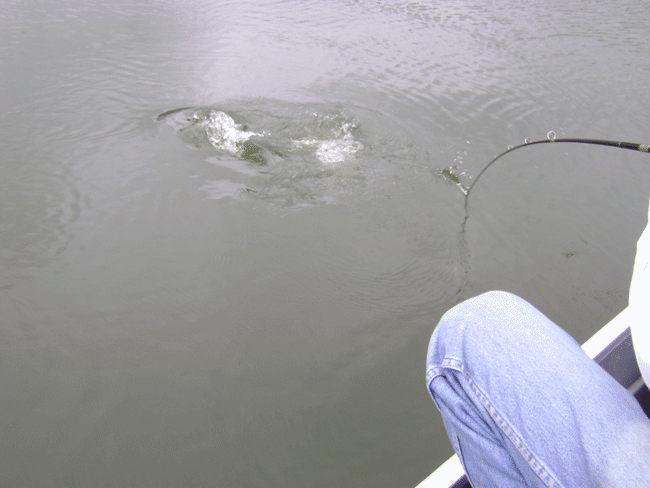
(530, 458)
(447, 363)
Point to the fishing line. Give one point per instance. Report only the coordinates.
(550, 139)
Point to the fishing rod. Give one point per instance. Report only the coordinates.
(550, 138)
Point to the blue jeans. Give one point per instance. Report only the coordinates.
(523, 405)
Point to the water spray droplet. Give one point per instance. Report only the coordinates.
(527, 140)
(510, 147)
(551, 136)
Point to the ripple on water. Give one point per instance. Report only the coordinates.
(39, 211)
(285, 154)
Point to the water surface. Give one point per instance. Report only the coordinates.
(228, 229)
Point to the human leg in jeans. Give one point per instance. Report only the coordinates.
(524, 406)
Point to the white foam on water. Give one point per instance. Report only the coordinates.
(330, 151)
(224, 133)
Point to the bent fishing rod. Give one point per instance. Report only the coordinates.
(550, 139)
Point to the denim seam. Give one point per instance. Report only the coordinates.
(539, 469)
(432, 373)
(459, 453)
(447, 363)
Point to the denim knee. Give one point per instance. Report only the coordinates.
(497, 316)
(510, 384)
(493, 328)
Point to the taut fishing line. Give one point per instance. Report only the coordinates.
(550, 139)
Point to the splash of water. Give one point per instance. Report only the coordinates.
(224, 133)
(330, 139)
(329, 151)
(300, 156)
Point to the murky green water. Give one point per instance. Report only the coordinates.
(228, 229)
